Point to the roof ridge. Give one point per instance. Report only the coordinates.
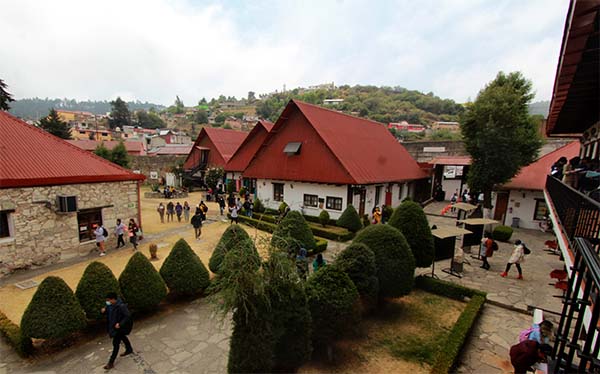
(337, 112)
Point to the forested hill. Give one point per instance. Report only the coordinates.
(37, 108)
(382, 104)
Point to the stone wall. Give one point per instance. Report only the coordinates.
(40, 235)
(160, 164)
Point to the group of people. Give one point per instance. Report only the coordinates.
(489, 246)
(133, 232)
(169, 192)
(171, 210)
(582, 174)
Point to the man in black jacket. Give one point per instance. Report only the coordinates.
(119, 324)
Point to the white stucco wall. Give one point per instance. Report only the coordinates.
(521, 204)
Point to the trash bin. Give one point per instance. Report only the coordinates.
(515, 222)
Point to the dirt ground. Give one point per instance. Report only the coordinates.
(400, 339)
(13, 300)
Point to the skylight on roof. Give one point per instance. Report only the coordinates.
(292, 148)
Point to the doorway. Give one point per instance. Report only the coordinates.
(361, 205)
(501, 206)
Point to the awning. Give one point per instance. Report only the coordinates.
(478, 221)
(449, 231)
(464, 206)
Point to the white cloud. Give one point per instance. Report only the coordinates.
(156, 49)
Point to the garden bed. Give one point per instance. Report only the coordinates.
(331, 232)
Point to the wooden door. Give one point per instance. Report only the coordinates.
(501, 206)
(361, 206)
(388, 195)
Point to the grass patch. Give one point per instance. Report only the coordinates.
(12, 334)
(421, 349)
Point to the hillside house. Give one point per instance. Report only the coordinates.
(52, 193)
(317, 159)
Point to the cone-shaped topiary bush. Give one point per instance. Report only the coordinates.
(395, 261)
(141, 285)
(331, 298)
(232, 238)
(293, 232)
(410, 219)
(324, 218)
(258, 206)
(358, 261)
(53, 312)
(350, 219)
(95, 283)
(289, 312)
(183, 271)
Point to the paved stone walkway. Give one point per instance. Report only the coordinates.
(185, 339)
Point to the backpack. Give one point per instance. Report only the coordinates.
(526, 250)
(494, 245)
(524, 335)
(104, 232)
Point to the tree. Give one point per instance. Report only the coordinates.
(358, 261)
(183, 271)
(213, 176)
(179, 107)
(395, 261)
(141, 285)
(119, 155)
(251, 96)
(220, 118)
(499, 134)
(95, 283)
(292, 233)
(324, 218)
(234, 237)
(410, 219)
(103, 152)
(119, 115)
(350, 219)
(55, 126)
(5, 97)
(53, 312)
(201, 117)
(149, 120)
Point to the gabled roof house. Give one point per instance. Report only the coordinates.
(213, 147)
(246, 151)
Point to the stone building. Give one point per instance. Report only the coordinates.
(52, 193)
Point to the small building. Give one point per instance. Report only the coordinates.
(81, 133)
(174, 137)
(450, 172)
(318, 159)
(134, 147)
(522, 199)
(51, 195)
(75, 117)
(179, 150)
(405, 126)
(450, 126)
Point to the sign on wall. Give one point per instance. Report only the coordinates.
(153, 175)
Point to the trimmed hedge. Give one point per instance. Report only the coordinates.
(445, 288)
(358, 261)
(323, 232)
(183, 271)
(95, 283)
(324, 218)
(410, 219)
(230, 239)
(315, 219)
(21, 343)
(502, 233)
(53, 312)
(141, 285)
(293, 231)
(395, 261)
(350, 219)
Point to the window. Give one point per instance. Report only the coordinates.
(278, 191)
(334, 203)
(377, 194)
(311, 200)
(541, 210)
(400, 188)
(86, 219)
(82, 132)
(4, 224)
(292, 148)
(104, 134)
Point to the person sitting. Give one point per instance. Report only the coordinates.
(526, 354)
(319, 262)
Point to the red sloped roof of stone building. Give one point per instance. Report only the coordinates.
(533, 176)
(32, 157)
(133, 147)
(242, 157)
(335, 148)
(225, 142)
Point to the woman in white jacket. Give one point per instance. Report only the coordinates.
(517, 256)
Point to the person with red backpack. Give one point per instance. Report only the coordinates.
(487, 249)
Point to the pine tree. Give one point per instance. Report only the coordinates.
(119, 155)
(410, 219)
(119, 115)
(55, 126)
(5, 97)
(103, 152)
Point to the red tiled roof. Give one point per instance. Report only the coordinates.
(32, 157)
(225, 141)
(242, 157)
(351, 150)
(169, 149)
(451, 160)
(533, 176)
(90, 145)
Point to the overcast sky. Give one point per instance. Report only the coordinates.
(152, 50)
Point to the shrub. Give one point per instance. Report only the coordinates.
(242, 192)
(141, 285)
(358, 261)
(183, 271)
(331, 299)
(232, 238)
(95, 283)
(365, 220)
(502, 233)
(53, 312)
(22, 344)
(445, 288)
(395, 262)
(324, 218)
(258, 206)
(410, 219)
(293, 232)
(386, 213)
(350, 219)
(282, 207)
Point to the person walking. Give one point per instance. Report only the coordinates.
(517, 256)
(186, 211)
(161, 212)
(319, 262)
(487, 250)
(119, 231)
(119, 325)
(178, 211)
(204, 209)
(133, 233)
(234, 214)
(99, 232)
(197, 223)
(170, 211)
(221, 202)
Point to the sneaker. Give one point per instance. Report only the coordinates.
(109, 366)
(102, 254)
(503, 274)
(519, 276)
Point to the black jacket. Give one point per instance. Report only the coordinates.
(118, 313)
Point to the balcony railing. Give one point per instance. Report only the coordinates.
(578, 215)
